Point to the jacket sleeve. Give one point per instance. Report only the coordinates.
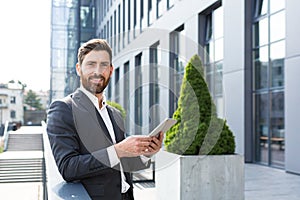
(66, 148)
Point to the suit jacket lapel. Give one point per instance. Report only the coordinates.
(117, 123)
(90, 121)
(102, 124)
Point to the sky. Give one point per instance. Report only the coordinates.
(25, 43)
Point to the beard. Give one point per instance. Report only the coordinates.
(95, 84)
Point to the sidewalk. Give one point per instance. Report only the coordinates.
(261, 183)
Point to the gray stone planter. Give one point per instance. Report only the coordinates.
(218, 177)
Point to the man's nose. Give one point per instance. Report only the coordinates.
(99, 69)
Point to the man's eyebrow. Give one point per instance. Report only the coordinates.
(91, 62)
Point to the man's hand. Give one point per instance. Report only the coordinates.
(133, 146)
(139, 145)
(155, 145)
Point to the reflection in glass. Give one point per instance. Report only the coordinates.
(277, 51)
(268, 78)
(261, 33)
(277, 128)
(261, 68)
(261, 127)
(277, 26)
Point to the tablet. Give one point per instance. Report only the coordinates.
(163, 126)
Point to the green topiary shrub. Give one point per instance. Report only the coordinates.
(198, 129)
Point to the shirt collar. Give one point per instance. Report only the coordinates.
(93, 98)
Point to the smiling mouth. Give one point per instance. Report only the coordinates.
(97, 80)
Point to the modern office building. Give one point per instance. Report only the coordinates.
(72, 23)
(250, 51)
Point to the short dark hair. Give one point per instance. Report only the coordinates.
(93, 44)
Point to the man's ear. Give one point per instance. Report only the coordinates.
(78, 69)
(111, 70)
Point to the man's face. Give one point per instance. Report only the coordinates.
(95, 71)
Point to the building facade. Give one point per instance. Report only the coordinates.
(11, 103)
(72, 23)
(250, 52)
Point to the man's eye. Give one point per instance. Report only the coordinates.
(105, 65)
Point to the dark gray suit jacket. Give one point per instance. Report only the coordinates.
(79, 141)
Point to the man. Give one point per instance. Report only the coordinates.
(87, 135)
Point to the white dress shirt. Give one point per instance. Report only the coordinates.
(112, 154)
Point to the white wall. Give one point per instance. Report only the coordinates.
(233, 69)
(292, 84)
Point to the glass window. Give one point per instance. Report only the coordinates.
(59, 16)
(170, 3)
(159, 8)
(59, 38)
(115, 33)
(178, 62)
(277, 5)
(12, 114)
(134, 13)
(119, 27)
(154, 87)
(71, 3)
(268, 79)
(117, 85)
(277, 129)
(129, 19)
(87, 15)
(219, 49)
(124, 23)
(277, 51)
(143, 21)
(262, 126)
(218, 23)
(12, 99)
(214, 55)
(58, 58)
(277, 26)
(261, 33)
(218, 79)
(209, 52)
(150, 12)
(124, 16)
(111, 31)
(126, 89)
(261, 68)
(138, 95)
(261, 7)
(208, 27)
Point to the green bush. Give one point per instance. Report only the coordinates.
(198, 129)
(118, 107)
